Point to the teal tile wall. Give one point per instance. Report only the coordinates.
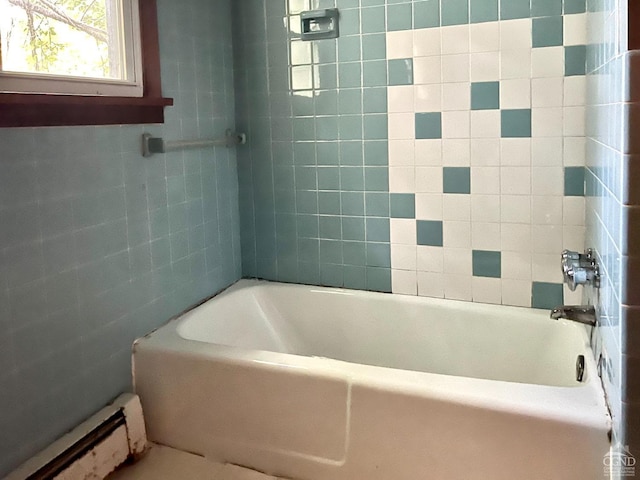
(99, 245)
(612, 152)
(325, 169)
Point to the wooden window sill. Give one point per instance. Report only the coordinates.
(23, 110)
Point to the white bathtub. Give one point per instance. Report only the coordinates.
(325, 384)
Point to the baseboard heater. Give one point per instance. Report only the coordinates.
(93, 449)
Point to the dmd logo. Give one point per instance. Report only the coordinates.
(619, 462)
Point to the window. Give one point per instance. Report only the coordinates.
(89, 47)
(79, 62)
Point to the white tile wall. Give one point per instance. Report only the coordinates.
(517, 204)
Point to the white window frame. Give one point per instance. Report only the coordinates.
(39, 83)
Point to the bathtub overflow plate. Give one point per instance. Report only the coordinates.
(580, 368)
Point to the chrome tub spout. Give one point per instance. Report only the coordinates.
(585, 314)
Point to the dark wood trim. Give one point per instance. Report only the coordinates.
(41, 110)
(73, 100)
(34, 115)
(634, 25)
(151, 48)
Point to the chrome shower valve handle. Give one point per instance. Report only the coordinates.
(580, 269)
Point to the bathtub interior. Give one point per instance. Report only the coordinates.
(418, 334)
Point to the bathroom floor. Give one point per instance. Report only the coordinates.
(164, 463)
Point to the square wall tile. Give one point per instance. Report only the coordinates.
(546, 8)
(429, 205)
(349, 49)
(373, 19)
(329, 203)
(456, 180)
(486, 290)
(547, 62)
(404, 282)
(516, 123)
(455, 12)
(399, 17)
(374, 73)
(343, 153)
(456, 68)
(456, 96)
(426, 14)
(456, 124)
(547, 92)
(574, 181)
(349, 74)
(516, 34)
(399, 44)
(455, 39)
(429, 233)
(376, 127)
(547, 122)
(575, 30)
(330, 251)
(374, 47)
(428, 70)
(487, 264)
(575, 60)
(515, 93)
(379, 279)
(427, 42)
(515, 64)
(483, 11)
(403, 205)
(575, 6)
(352, 179)
(376, 179)
(350, 18)
(404, 256)
(546, 295)
(547, 32)
(330, 227)
(378, 255)
(428, 125)
(376, 153)
(354, 253)
(485, 96)
(376, 204)
(374, 100)
(353, 228)
(400, 71)
(511, 9)
(403, 231)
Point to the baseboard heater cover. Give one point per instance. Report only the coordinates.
(93, 449)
